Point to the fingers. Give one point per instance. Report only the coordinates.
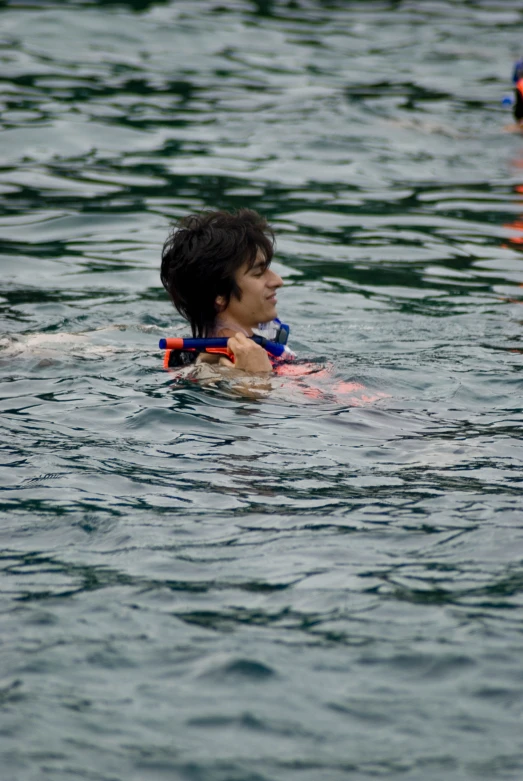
(240, 343)
(248, 355)
(238, 340)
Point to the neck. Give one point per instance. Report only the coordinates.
(229, 324)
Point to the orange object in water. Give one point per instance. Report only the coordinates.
(170, 363)
(173, 343)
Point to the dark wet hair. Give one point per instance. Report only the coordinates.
(201, 257)
(518, 105)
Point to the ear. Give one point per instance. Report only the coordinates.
(220, 303)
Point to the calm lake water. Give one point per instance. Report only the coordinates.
(324, 583)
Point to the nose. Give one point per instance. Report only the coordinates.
(274, 279)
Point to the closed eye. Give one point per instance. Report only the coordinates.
(259, 269)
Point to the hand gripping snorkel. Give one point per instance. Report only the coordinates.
(219, 345)
(271, 336)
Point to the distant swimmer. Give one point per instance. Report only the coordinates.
(517, 80)
(516, 100)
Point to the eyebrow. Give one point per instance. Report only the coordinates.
(258, 264)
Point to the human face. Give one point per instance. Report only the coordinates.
(258, 286)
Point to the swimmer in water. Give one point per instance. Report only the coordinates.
(517, 80)
(516, 101)
(216, 270)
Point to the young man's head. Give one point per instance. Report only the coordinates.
(215, 265)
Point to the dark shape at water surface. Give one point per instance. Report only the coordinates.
(240, 669)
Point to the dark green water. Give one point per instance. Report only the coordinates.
(310, 586)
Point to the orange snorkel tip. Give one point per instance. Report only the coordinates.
(171, 344)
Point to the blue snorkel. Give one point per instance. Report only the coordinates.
(219, 344)
(272, 336)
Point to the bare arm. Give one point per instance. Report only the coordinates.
(250, 373)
